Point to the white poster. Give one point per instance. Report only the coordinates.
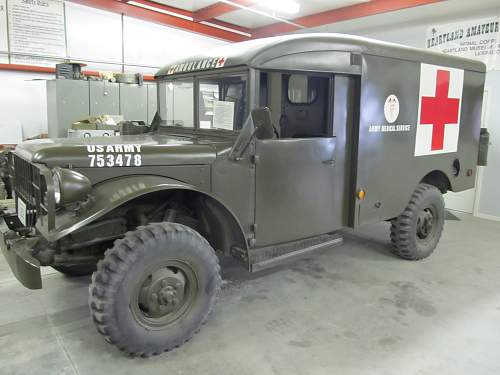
(36, 27)
(475, 39)
(3, 32)
(223, 115)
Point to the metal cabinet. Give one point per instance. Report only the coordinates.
(71, 100)
(67, 102)
(152, 102)
(104, 98)
(133, 101)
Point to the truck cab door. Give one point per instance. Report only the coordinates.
(294, 189)
(295, 174)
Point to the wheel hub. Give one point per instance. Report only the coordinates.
(162, 293)
(425, 223)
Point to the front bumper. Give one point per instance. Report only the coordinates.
(17, 252)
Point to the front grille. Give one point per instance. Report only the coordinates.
(29, 185)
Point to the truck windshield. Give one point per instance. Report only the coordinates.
(221, 102)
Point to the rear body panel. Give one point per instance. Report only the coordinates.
(387, 167)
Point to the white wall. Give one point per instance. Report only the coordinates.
(23, 102)
(148, 44)
(409, 27)
(95, 38)
(94, 35)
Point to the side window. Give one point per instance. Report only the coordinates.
(305, 109)
(301, 90)
(176, 98)
(222, 103)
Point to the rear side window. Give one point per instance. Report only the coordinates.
(300, 91)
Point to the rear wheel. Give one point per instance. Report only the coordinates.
(76, 270)
(154, 288)
(416, 232)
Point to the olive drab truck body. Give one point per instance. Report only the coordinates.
(262, 150)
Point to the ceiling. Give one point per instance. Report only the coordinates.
(251, 20)
(265, 16)
(238, 20)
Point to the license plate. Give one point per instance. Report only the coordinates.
(21, 211)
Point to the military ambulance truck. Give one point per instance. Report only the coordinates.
(262, 150)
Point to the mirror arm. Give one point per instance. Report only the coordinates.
(239, 157)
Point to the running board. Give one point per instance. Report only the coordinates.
(270, 256)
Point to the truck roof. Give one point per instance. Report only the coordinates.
(256, 53)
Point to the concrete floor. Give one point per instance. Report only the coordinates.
(354, 309)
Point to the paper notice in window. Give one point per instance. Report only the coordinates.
(223, 115)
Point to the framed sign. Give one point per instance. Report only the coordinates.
(36, 27)
(4, 45)
(475, 39)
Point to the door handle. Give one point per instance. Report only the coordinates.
(329, 162)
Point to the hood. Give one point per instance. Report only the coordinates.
(144, 149)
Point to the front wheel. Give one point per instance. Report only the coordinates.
(416, 232)
(154, 288)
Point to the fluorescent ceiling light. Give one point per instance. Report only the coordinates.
(281, 6)
(225, 28)
(159, 10)
(256, 11)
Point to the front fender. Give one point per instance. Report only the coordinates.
(105, 197)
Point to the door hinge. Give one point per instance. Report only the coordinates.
(329, 162)
(239, 253)
(250, 237)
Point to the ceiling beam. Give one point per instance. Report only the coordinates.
(340, 14)
(218, 9)
(46, 69)
(174, 17)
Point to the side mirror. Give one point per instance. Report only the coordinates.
(258, 125)
(263, 123)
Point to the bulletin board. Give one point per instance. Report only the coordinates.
(36, 28)
(4, 44)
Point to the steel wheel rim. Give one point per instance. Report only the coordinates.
(427, 223)
(157, 312)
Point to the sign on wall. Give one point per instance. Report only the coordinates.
(3, 30)
(36, 27)
(475, 39)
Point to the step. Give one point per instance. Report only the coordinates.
(270, 256)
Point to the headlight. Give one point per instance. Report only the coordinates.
(69, 186)
(57, 186)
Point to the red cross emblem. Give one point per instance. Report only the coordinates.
(220, 62)
(439, 109)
